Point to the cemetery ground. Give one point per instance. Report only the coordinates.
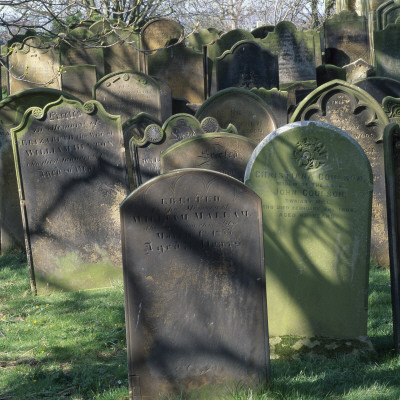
(73, 346)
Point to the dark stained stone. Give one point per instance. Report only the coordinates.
(79, 80)
(246, 111)
(356, 112)
(329, 72)
(379, 87)
(194, 285)
(391, 106)
(262, 31)
(315, 183)
(72, 177)
(387, 13)
(223, 152)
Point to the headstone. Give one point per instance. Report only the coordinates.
(71, 178)
(223, 152)
(387, 13)
(379, 87)
(295, 50)
(127, 93)
(356, 112)
(201, 37)
(328, 72)
(79, 80)
(12, 109)
(391, 106)
(194, 285)
(262, 31)
(346, 39)
(357, 70)
(247, 65)
(146, 152)
(315, 183)
(182, 69)
(387, 59)
(157, 32)
(32, 64)
(246, 111)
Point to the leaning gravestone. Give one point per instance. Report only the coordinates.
(32, 64)
(78, 80)
(223, 152)
(127, 93)
(71, 177)
(379, 87)
(315, 183)
(346, 39)
(247, 65)
(12, 109)
(194, 285)
(356, 112)
(246, 111)
(145, 152)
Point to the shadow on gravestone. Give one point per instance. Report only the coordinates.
(71, 178)
(79, 80)
(356, 112)
(194, 285)
(379, 87)
(12, 110)
(315, 183)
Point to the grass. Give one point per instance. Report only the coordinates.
(72, 346)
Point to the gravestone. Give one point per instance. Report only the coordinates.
(379, 87)
(146, 151)
(157, 32)
(391, 107)
(246, 111)
(247, 65)
(78, 80)
(223, 152)
(127, 93)
(182, 69)
(71, 178)
(356, 112)
(201, 37)
(12, 109)
(315, 183)
(387, 13)
(358, 70)
(194, 285)
(387, 59)
(262, 31)
(33, 64)
(346, 39)
(328, 72)
(295, 50)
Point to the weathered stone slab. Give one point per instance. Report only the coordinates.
(223, 152)
(72, 177)
(346, 39)
(387, 13)
(356, 112)
(183, 70)
(146, 152)
(194, 285)
(358, 70)
(79, 80)
(379, 87)
(247, 65)
(315, 183)
(295, 50)
(157, 32)
(127, 93)
(246, 111)
(33, 64)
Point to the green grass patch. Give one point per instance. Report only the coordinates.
(73, 346)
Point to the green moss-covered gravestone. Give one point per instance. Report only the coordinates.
(194, 285)
(12, 110)
(346, 39)
(247, 65)
(33, 64)
(145, 152)
(71, 178)
(246, 111)
(315, 183)
(356, 112)
(329, 72)
(262, 31)
(78, 80)
(201, 37)
(223, 152)
(127, 93)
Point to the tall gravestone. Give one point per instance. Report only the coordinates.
(296, 51)
(315, 183)
(346, 39)
(247, 65)
(194, 285)
(78, 80)
(127, 93)
(223, 152)
(357, 113)
(33, 64)
(71, 179)
(246, 111)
